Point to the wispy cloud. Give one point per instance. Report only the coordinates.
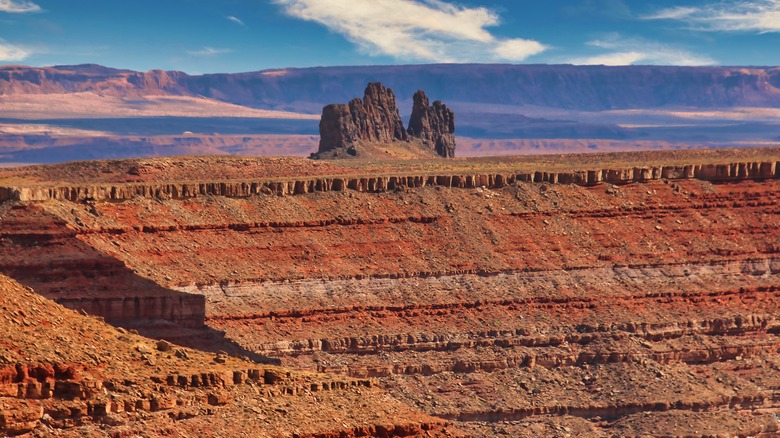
(675, 13)
(209, 51)
(10, 52)
(18, 7)
(424, 30)
(235, 20)
(731, 16)
(634, 51)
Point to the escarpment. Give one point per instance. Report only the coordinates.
(564, 86)
(605, 294)
(357, 128)
(389, 182)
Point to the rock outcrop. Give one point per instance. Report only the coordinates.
(374, 119)
(433, 124)
(345, 130)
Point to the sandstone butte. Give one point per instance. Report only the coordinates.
(372, 128)
(592, 295)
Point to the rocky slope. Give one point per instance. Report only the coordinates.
(557, 305)
(66, 374)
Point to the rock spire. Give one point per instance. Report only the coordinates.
(346, 129)
(433, 124)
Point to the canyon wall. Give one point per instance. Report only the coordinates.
(620, 300)
(487, 306)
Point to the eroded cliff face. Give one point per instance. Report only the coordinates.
(382, 183)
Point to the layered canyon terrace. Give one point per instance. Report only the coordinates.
(598, 294)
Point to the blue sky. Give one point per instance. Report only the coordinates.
(199, 36)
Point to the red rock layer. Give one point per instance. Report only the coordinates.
(602, 307)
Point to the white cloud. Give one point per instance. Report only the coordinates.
(427, 30)
(517, 49)
(732, 16)
(675, 13)
(9, 52)
(18, 7)
(209, 51)
(235, 20)
(616, 58)
(637, 51)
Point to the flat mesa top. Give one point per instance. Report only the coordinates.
(232, 168)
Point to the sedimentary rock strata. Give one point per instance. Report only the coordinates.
(66, 374)
(611, 301)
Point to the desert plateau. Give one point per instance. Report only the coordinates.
(393, 218)
(591, 295)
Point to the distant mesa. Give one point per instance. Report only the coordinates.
(372, 128)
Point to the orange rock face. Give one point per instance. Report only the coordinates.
(555, 303)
